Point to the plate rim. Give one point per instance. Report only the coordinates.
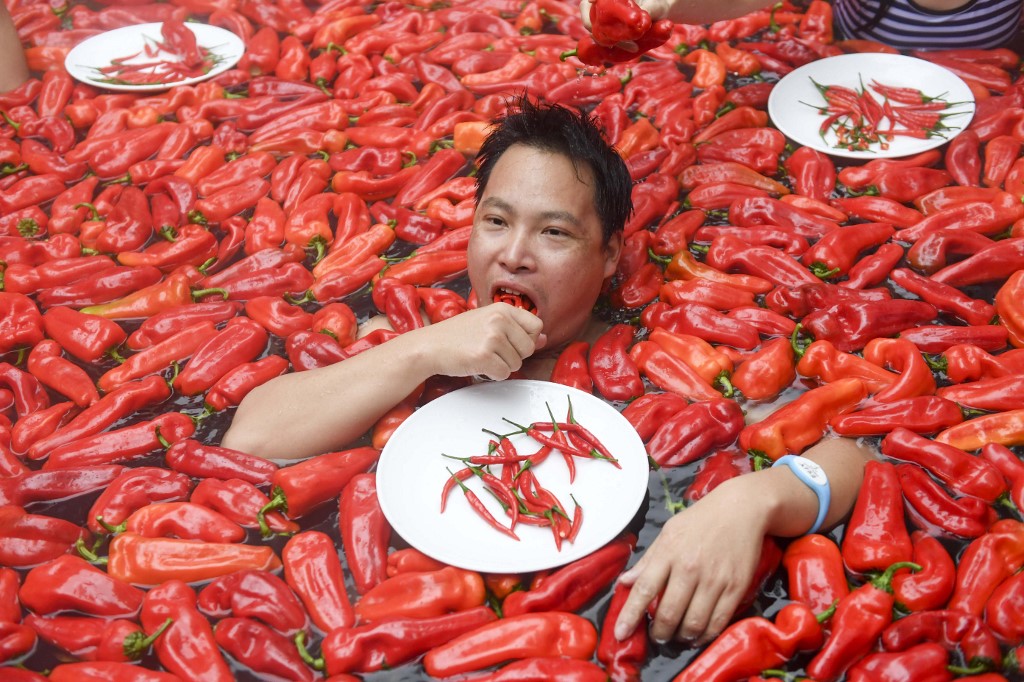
(552, 560)
(802, 71)
(75, 67)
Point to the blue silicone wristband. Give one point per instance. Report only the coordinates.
(814, 477)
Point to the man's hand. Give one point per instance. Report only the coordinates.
(491, 341)
(658, 9)
(701, 564)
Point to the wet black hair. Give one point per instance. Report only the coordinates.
(557, 129)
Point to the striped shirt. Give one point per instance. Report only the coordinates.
(906, 25)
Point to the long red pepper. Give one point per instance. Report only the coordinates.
(313, 570)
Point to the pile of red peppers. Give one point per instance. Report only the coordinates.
(163, 254)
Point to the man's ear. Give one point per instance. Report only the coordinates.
(613, 249)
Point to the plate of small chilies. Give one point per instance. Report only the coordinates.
(871, 105)
(155, 56)
(512, 476)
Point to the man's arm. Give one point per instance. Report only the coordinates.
(689, 11)
(705, 556)
(13, 70)
(302, 414)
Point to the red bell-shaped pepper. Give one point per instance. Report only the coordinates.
(313, 570)
(876, 535)
(187, 648)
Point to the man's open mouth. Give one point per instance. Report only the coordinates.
(515, 298)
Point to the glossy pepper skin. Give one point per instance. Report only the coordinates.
(986, 563)
(614, 373)
(931, 587)
(152, 561)
(421, 595)
(70, 583)
(753, 644)
(815, 574)
(95, 639)
(261, 649)
(365, 533)
(924, 414)
(952, 629)
(924, 662)
(187, 648)
(575, 584)
(313, 570)
(851, 325)
(552, 633)
(191, 457)
(298, 488)
(695, 431)
(254, 594)
(876, 536)
(859, 620)
(800, 423)
(964, 473)
(31, 539)
(133, 489)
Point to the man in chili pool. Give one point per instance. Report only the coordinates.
(552, 200)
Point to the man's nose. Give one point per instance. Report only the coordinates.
(518, 251)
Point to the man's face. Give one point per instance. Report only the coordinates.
(536, 233)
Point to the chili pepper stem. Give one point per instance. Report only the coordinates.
(300, 644)
(137, 643)
(89, 554)
(112, 530)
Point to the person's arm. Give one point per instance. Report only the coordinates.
(689, 11)
(13, 69)
(307, 413)
(705, 556)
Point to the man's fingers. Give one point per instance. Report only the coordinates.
(641, 592)
(694, 622)
(672, 605)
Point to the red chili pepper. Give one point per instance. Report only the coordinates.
(95, 639)
(695, 431)
(254, 594)
(128, 399)
(161, 561)
(46, 364)
(1009, 466)
(572, 586)
(859, 620)
(753, 644)
(876, 535)
(614, 374)
(367, 648)
(133, 489)
(365, 533)
(198, 459)
(179, 519)
(537, 634)
(936, 338)
(862, 321)
(815, 573)
(702, 321)
(70, 583)
(28, 392)
(159, 356)
(766, 373)
(187, 648)
(965, 474)
(122, 445)
(923, 414)
(931, 507)
(801, 422)
(727, 252)
(931, 587)
(31, 539)
(925, 662)
(985, 564)
(21, 325)
(298, 488)
(313, 570)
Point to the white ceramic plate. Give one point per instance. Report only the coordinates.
(788, 104)
(98, 51)
(412, 472)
